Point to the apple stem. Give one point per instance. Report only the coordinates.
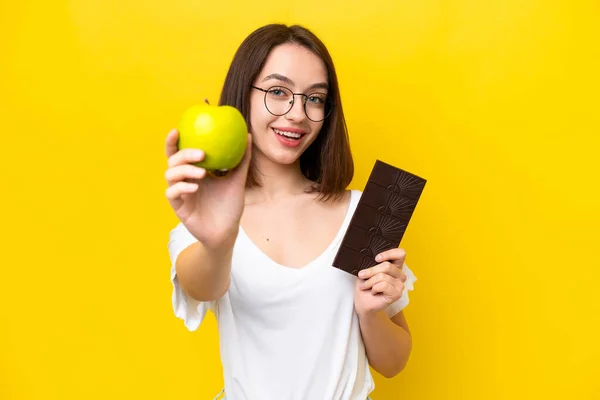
(206, 101)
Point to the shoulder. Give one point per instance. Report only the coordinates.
(347, 196)
(338, 201)
(347, 200)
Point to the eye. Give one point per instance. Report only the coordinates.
(317, 99)
(277, 92)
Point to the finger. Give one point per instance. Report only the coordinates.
(174, 192)
(402, 276)
(385, 267)
(171, 142)
(395, 255)
(381, 277)
(186, 156)
(182, 172)
(385, 288)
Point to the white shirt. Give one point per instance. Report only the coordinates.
(285, 333)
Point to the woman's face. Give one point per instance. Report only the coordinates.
(290, 68)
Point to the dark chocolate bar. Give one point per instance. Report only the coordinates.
(381, 217)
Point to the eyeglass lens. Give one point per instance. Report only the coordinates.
(279, 100)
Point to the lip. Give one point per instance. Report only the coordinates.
(288, 142)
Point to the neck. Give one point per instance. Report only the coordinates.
(278, 181)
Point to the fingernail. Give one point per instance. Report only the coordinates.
(378, 258)
(198, 153)
(362, 274)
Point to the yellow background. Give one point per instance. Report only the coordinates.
(494, 102)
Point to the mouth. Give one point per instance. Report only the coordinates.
(291, 134)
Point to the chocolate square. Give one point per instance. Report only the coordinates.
(378, 223)
(381, 217)
(397, 180)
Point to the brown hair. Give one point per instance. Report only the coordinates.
(328, 160)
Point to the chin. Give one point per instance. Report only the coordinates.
(283, 159)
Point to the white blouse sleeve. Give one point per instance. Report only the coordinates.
(191, 311)
(403, 301)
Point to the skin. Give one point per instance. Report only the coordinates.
(279, 216)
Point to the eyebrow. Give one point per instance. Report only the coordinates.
(279, 77)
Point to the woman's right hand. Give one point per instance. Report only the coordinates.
(210, 207)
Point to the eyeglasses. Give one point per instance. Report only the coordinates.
(279, 100)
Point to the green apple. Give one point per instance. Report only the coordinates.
(219, 131)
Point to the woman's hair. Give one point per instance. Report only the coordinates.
(328, 160)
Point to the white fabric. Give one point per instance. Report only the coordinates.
(285, 333)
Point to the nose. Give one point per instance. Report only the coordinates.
(297, 111)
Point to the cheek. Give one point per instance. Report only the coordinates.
(316, 127)
(259, 116)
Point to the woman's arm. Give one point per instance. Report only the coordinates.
(203, 272)
(387, 341)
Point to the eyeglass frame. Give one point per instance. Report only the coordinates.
(306, 96)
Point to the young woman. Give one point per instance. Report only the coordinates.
(256, 246)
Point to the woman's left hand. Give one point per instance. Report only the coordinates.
(381, 285)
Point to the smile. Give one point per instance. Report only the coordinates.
(288, 134)
(289, 137)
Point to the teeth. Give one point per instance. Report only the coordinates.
(288, 134)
